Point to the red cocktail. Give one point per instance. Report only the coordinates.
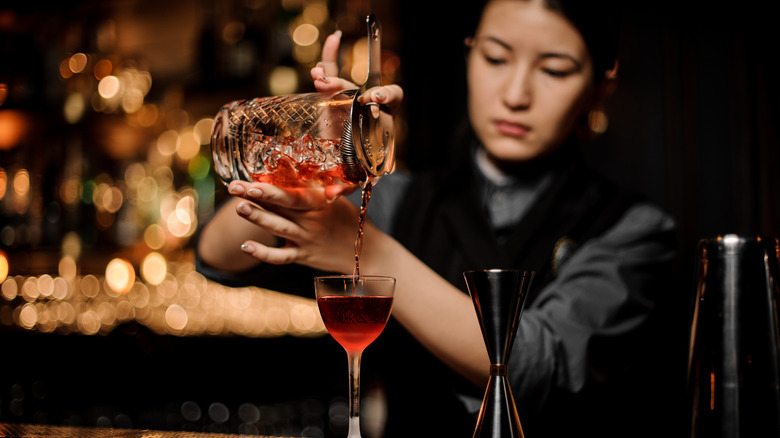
(355, 309)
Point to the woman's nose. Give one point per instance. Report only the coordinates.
(518, 91)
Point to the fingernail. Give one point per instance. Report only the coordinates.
(337, 33)
(256, 193)
(324, 79)
(244, 209)
(236, 189)
(380, 95)
(247, 248)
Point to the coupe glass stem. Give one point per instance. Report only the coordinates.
(354, 393)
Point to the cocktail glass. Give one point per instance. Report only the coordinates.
(355, 309)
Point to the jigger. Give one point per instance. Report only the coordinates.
(499, 297)
(734, 355)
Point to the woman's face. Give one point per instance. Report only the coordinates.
(529, 78)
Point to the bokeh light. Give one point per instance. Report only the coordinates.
(71, 245)
(3, 92)
(202, 130)
(283, 80)
(305, 34)
(3, 183)
(67, 268)
(176, 317)
(154, 268)
(120, 275)
(315, 12)
(154, 236)
(21, 182)
(3, 266)
(359, 71)
(13, 127)
(189, 144)
(77, 62)
(109, 87)
(74, 107)
(9, 289)
(168, 142)
(102, 69)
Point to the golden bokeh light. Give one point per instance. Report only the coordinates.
(233, 32)
(71, 245)
(147, 189)
(315, 12)
(202, 130)
(176, 317)
(90, 286)
(65, 70)
(61, 289)
(67, 268)
(154, 236)
(3, 266)
(148, 115)
(13, 128)
(21, 182)
(307, 54)
(77, 62)
(74, 107)
(109, 87)
(89, 322)
(185, 303)
(283, 80)
(3, 183)
(305, 34)
(154, 268)
(9, 289)
(120, 275)
(28, 316)
(189, 144)
(102, 69)
(132, 101)
(69, 191)
(29, 291)
(45, 285)
(168, 142)
(359, 71)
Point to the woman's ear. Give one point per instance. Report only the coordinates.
(597, 116)
(606, 85)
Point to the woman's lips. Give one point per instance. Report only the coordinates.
(511, 129)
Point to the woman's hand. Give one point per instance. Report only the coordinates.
(326, 78)
(318, 225)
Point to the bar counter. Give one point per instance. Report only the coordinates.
(10, 430)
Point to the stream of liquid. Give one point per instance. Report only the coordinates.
(366, 192)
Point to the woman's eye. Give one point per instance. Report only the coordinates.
(494, 60)
(556, 73)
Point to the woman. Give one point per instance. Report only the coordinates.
(515, 195)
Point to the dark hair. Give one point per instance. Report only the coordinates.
(599, 24)
(598, 21)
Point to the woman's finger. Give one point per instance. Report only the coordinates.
(269, 221)
(330, 54)
(276, 256)
(389, 95)
(270, 196)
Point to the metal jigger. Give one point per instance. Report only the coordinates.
(734, 362)
(499, 296)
